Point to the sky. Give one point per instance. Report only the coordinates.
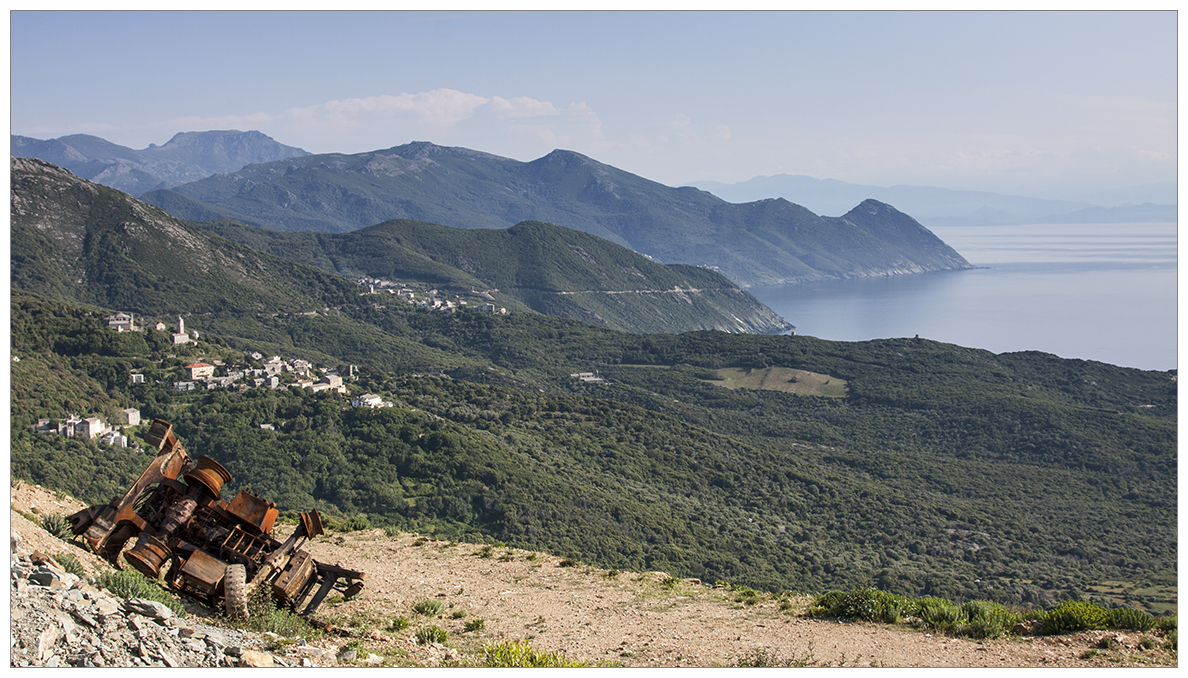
(1033, 103)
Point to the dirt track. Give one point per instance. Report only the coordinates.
(635, 620)
(627, 619)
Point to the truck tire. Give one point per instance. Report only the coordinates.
(235, 593)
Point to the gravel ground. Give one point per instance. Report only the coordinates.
(633, 619)
(592, 615)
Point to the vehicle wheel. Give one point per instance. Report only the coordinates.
(235, 594)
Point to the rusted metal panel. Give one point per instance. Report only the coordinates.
(311, 522)
(253, 510)
(203, 572)
(292, 580)
(159, 434)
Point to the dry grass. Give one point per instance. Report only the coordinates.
(788, 380)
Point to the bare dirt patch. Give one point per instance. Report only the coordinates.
(589, 614)
(30, 504)
(637, 619)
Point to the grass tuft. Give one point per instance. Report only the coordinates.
(399, 624)
(57, 525)
(519, 654)
(70, 563)
(474, 625)
(428, 608)
(132, 584)
(427, 635)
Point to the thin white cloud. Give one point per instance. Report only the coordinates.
(523, 107)
(679, 130)
(440, 106)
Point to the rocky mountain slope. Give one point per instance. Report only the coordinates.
(764, 242)
(188, 156)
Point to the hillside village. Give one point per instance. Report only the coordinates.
(254, 370)
(431, 299)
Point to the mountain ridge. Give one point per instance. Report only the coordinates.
(104, 247)
(755, 243)
(936, 206)
(186, 157)
(547, 268)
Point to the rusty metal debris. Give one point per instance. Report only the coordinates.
(199, 545)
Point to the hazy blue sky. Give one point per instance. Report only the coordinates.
(1031, 102)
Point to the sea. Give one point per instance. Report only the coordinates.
(1104, 292)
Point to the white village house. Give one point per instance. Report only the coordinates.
(78, 427)
(370, 400)
(121, 322)
(199, 370)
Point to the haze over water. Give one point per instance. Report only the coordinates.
(1104, 292)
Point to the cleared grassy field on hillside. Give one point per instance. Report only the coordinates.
(788, 380)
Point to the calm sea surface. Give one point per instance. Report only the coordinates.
(1102, 292)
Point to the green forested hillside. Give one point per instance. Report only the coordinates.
(543, 267)
(944, 470)
(77, 241)
(935, 470)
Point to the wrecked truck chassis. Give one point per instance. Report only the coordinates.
(213, 550)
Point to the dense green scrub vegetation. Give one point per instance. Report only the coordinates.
(982, 619)
(90, 244)
(532, 265)
(944, 471)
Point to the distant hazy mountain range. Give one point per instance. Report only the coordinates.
(765, 242)
(188, 156)
(769, 241)
(943, 207)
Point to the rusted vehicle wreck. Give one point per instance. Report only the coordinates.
(215, 551)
